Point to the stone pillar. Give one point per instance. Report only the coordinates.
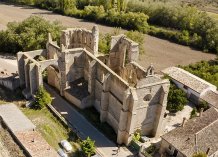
(133, 52)
(161, 109)
(33, 79)
(91, 77)
(122, 135)
(26, 69)
(105, 97)
(39, 76)
(62, 66)
(95, 34)
(133, 103)
(21, 71)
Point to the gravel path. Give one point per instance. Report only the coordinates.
(160, 53)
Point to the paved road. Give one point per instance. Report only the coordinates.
(104, 145)
(160, 52)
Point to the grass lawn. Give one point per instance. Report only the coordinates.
(52, 130)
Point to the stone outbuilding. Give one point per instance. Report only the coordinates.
(194, 86)
(199, 134)
(127, 96)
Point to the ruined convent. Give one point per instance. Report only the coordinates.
(127, 97)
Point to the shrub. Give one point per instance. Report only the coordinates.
(88, 147)
(94, 13)
(104, 41)
(28, 35)
(176, 99)
(207, 70)
(200, 154)
(193, 113)
(136, 137)
(202, 105)
(151, 149)
(137, 37)
(42, 98)
(183, 18)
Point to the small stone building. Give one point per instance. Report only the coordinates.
(9, 80)
(194, 86)
(127, 97)
(199, 134)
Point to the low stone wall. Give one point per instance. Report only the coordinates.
(10, 82)
(73, 100)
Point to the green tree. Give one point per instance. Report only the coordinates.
(136, 137)
(67, 5)
(200, 154)
(176, 99)
(88, 147)
(137, 37)
(31, 34)
(42, 98)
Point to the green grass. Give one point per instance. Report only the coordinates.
(52, 130)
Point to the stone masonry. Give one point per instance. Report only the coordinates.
(127, 97)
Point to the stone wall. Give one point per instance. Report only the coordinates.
(123, 50)
(127, 97)
(166, 149)
(10, 82)
(53, 77)
(81, 38)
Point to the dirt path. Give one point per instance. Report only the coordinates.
(160, 53)
(8, 148)
(3, 150)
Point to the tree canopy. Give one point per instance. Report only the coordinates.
(88, 147)
(176, 99)
(30, 34)
(42, 98)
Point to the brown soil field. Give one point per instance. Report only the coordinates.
(161, 53)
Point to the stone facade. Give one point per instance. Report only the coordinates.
(127, 97)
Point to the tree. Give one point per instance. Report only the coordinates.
(88, 147)
(30, 34)
(66, 5)
(176, 99)
(42, 98)
(200, 154)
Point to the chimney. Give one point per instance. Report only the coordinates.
(201, 111)
(183, 122)
(208, 150)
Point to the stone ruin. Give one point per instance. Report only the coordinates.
(127, 97)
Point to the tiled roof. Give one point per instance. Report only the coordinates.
(195, 83)
(35, 144)
(211, 97)
(24, 131)
(200, 132)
